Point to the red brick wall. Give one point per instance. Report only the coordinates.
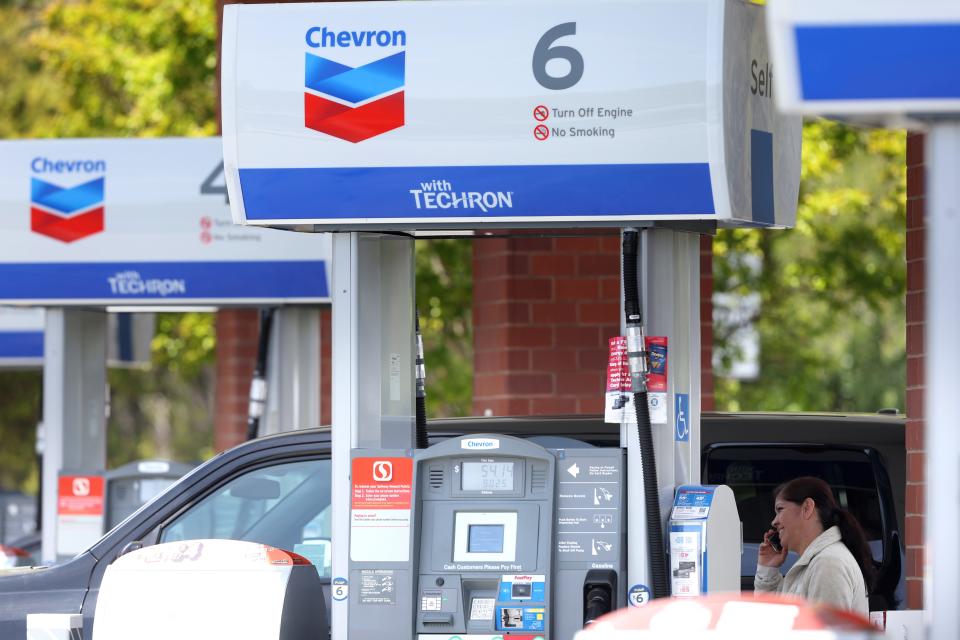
(913, 536)
(237, 333)
(543, 311)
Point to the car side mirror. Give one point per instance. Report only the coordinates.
(133, 545)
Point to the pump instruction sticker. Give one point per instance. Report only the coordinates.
(378, 586)
(619, 397)
(380, 509)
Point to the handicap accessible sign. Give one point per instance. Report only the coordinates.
(681, 417)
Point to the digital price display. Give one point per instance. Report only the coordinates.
(487, 476)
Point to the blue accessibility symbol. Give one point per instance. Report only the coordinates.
(681, 417)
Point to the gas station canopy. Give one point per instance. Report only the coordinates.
(140, 222)
(446, 115)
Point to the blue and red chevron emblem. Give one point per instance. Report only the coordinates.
(66, 213)
(366, 115)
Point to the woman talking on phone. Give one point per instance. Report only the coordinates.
(835, 565)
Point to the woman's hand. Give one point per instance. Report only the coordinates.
(766, 556)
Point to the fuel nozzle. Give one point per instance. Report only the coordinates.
(598, 590)
(597, 604)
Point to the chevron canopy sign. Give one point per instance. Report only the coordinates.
(353, 103)
(66, 214)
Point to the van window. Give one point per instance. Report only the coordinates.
(753, 473)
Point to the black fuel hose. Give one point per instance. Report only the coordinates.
(636, 353)
(423, 441)
(258, 385)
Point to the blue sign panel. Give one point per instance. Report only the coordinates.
(874, 62)
(163, 282)
(21, 345)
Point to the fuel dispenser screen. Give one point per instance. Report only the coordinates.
(487, 476)
(485, 538)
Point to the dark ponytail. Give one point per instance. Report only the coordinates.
(830, 513)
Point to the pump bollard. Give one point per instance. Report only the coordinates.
(54, 626)
(202, 589)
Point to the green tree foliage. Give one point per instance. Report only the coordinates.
(112, 67)
(445, 302)
(831, 319)
(28, 95)
(20, 405)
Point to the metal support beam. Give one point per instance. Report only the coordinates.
(669, 273)
(942, 440)
(74, 405)
(372, 370)
(293, 371)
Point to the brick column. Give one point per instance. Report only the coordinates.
(237, 336)
(543, 310)
(706, 324)
(916, 348)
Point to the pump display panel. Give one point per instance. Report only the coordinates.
(485, 537)
(487, 476)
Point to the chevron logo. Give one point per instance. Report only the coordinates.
(353, 103)
(66, 214)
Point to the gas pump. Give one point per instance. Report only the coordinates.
(503, 530)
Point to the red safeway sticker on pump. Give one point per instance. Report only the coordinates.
(80, 496)
(382, 483)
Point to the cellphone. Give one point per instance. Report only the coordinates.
(774, 541)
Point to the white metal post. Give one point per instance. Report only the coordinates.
(74, 405)
(942, 346)
(669, 273)
(293, 371)
(372, 372)
(344, 414)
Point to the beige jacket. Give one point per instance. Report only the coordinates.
(826, 572)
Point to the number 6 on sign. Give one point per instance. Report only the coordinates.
(544, 53)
